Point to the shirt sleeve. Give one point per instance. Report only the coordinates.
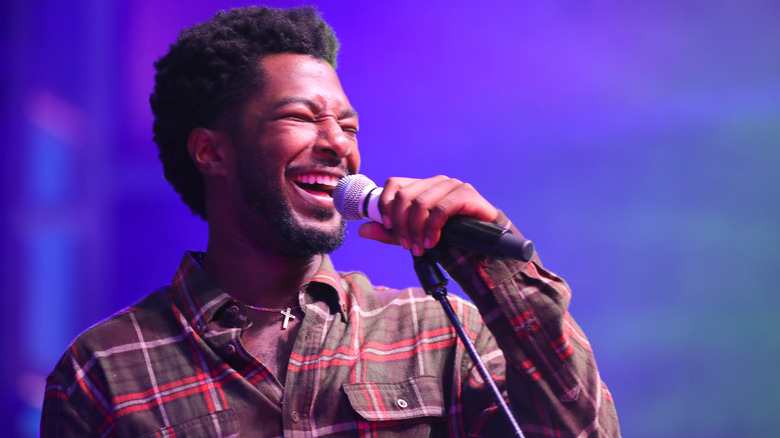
(551, 380)
(68, 409)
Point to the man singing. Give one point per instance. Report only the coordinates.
(260, 335)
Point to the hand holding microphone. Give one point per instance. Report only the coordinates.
(419, 213)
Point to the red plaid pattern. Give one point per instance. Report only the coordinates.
(368, 362)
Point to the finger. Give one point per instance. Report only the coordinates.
(389, 190)
(398, 207)
(375, 231)
(462, 200)
(431, 201)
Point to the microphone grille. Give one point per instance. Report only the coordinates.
(347, 196)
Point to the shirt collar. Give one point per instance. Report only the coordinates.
(328, 278)
(200, 299)
(195, 294)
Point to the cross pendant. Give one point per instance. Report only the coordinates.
(287, 317)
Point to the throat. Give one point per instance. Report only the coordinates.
(268, 343)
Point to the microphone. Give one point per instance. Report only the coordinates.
(356, 197)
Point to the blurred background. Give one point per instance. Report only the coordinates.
(638, 145)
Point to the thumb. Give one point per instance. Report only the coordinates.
(375, 231)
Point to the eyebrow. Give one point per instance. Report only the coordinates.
(314, 106)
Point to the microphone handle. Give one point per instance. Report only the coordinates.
(484, 237)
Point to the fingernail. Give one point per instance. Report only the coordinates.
(404, 243)
(427, 243)
(416, 250)
(386, 222)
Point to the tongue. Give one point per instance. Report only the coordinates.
(317, 189)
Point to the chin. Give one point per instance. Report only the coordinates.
(308, 236)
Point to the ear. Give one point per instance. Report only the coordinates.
(208, 150)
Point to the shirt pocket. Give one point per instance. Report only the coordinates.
(416, 397)
(223, 424)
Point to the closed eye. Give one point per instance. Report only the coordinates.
(301, 117)
(350, 130)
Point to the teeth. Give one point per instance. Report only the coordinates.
(317, 178)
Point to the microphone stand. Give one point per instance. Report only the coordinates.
(434, 283)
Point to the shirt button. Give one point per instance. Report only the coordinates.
(402, 403)
(239, 321)
(296, 417)
(230, 349)
(232, 310)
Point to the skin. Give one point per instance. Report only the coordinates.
(301, 123)
(302, 120)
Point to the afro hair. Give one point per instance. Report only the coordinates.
(211, 70)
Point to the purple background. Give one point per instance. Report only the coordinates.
(637, 144)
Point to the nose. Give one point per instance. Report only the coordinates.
(333, 143)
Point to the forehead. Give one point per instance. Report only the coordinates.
(294, 76)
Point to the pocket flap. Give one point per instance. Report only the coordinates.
(420, 396)
(223, 424)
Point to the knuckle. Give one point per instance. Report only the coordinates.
(404, 196)
(418, 202)
(438, 211)
(467, 187)
(392, 182)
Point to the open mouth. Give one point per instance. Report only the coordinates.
(316, 183)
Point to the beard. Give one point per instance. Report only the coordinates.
(264, 196)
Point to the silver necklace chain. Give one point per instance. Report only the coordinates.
(286, 312)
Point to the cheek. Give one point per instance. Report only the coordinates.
(281, 146)
(291, 142)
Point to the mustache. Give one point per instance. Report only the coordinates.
(322, 166)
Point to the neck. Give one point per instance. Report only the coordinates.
(255, 276)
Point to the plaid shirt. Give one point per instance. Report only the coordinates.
(368, 362)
